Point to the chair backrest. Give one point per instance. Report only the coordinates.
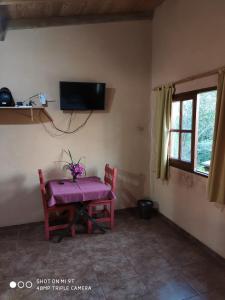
(43, 189)
(110, 177)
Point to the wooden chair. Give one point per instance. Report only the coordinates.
(107, 213)
(67, 211)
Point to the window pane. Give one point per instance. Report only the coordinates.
(175, 118)
(186, 147)
(174, 145)
(187, 114)
(206, 103)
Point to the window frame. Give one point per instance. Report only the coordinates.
(178, 163)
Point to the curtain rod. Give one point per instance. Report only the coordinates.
(190, 78)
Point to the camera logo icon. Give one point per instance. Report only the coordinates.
(21, 284)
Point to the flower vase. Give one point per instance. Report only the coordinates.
(74, 178)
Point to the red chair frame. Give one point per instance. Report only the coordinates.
(48, 211)
(108, 204)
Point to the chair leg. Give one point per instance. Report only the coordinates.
(71, 219)
(89, 222)
(112, 214)
(47, 231)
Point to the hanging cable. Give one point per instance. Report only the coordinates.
(69, 124)
(46, 128)
(69, 121)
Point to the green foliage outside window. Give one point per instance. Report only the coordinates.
(182, 128)
(206, 120)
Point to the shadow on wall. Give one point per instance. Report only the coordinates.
(182, 178)
(109, 96)
(18, 200)
(92, 172)
(54, 173)
(22, 116)
(130, 188)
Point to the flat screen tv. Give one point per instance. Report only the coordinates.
(82, 96)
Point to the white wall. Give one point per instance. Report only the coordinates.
(188, 38)
(36, 60)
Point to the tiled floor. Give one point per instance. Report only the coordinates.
(140, 259)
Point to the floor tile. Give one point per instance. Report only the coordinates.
(34, 233)
(140, 259)
(124, 289)
(7, 246)
(170, 289)
(9, 235)
(114, 266)
(217, 294)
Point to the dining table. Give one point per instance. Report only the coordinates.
(83, 190)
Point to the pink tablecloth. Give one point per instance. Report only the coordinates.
(84, 189)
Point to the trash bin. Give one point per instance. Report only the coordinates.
(145, 207)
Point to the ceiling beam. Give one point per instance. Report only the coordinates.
(2, 30)
(12, 2)
(76, 20)
(3, 23)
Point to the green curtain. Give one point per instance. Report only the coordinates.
(216, 181)
(162, 126)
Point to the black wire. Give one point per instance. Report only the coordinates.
(72, 131)
(45, 127)
(69, 121)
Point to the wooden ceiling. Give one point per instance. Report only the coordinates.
(18, 14)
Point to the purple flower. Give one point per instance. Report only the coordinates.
(77, 169)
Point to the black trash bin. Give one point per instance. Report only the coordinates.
(145, 208)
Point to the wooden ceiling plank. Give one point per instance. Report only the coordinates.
(3, 22)
(70, 7)
(2, 30)
(56, 8)
(146, 5)
(45, 13)
(35, 10)
(96, 7)
(125, 6)
(14, 2)
(87, 19)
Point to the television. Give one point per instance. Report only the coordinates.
(82, 96)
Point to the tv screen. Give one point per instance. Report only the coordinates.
(82, 96)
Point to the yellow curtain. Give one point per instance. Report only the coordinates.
(162, 125)
(216, 181)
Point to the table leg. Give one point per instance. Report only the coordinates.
(80, 212)
(84, 214)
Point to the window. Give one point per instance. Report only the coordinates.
(192, 126)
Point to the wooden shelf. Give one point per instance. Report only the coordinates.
(31, 108)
